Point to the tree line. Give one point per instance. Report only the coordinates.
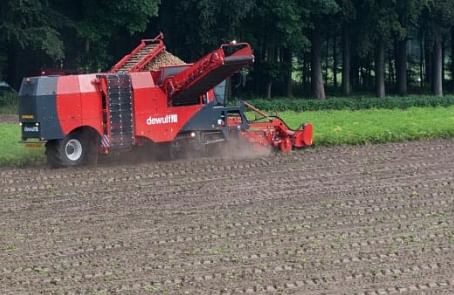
(302, 47)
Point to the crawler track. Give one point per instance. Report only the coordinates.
(375, 219)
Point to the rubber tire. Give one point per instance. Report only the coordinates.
(57, 158)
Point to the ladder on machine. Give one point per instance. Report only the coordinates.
(120, 127)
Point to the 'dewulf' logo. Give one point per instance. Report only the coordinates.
(173, 118)
(31, 129)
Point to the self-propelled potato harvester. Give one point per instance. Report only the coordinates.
(171, 108)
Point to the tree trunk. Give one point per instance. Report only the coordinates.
(392, 69)
(421, 62)
(363, 75)
(318, 88)
(347, 58)
(335, 65)
(306, 69)
(87, 46)
(269, 85)
(326, 67)
(270, 57)
(380, 69)
(452, 58)
(390, 72)
(437, 67)
(287, 56)
(401, 67)
(12, 67)
(428, 54)
(443, 56)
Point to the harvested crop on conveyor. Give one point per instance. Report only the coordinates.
(164, 59)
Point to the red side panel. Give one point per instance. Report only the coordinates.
(69, 106)
(154, 119)
(78, 103)
(91, 102)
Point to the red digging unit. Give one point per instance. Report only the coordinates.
(169, 110)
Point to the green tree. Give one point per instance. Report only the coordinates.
(277, 35)
(193, 27)
(378, 18)
(347, 16)
(101, 21)
(408, 12)
(29, 27)
(318, 11)
(439, 19)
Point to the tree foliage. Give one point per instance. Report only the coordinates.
(31, 24)
(93, 34)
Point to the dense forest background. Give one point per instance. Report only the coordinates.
(302, 47)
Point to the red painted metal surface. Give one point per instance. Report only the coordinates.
(91, 102)
(208, 71)
(274, 132)
(68, 102)
(78, 103)
(154, 118)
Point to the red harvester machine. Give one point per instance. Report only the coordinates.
(171, 108)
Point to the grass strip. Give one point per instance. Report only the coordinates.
(14, 153)
(376, 126)
(330, 128)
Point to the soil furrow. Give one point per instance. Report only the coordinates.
(373, 219)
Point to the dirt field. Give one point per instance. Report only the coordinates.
(345, 220)
(8, 118)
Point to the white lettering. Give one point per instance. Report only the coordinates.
(173, 118)
(31, 129)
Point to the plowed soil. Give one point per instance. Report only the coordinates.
(375, 219)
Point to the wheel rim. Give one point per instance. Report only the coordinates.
(73, 149)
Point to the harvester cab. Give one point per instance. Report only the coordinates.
(149, 98)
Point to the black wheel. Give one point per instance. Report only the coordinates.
(74, 150)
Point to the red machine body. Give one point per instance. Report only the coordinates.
(79, 103)
(80, 114)
(271, 131)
